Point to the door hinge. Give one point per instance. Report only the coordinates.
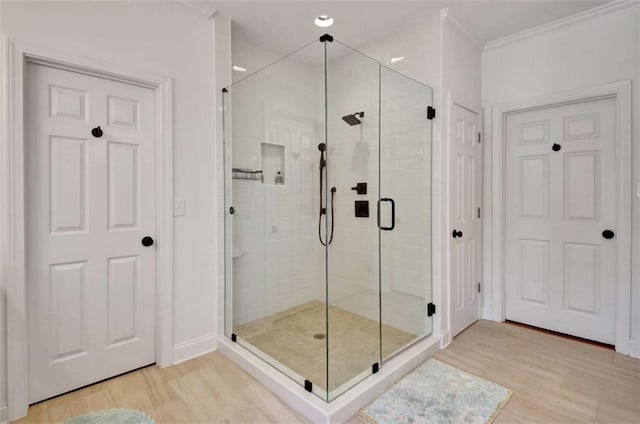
(375, 368)
(431, 112)
(479, 288)
(478, 212)
(308, 386)
(431, 309)
(479, 138)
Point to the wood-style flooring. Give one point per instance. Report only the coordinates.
(554, 379)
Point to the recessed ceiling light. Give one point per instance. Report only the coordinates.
(239, 68)
(396, 59)
(324, 21)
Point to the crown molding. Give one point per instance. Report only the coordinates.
(447, 16)
(201, 6)
(611, 7)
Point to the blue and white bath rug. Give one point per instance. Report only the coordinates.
(112, 416)
(437, 393)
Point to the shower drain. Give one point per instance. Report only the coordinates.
(319, 336)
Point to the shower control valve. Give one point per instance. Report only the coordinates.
(360, 188)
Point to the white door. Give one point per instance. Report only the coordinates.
(90, 201)
(560, 198)
(465, 177)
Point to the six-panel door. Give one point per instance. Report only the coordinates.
(90, 199)
(561, 197)
(464, 216)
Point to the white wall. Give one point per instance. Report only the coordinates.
(164, 38)
(599, 50)
(461, 84)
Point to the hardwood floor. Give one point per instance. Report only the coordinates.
(554, 379)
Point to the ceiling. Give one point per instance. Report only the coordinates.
(287, 25)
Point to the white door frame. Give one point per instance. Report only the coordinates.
(12, 201)
(621, 92)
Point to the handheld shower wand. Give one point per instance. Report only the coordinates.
(323, 211)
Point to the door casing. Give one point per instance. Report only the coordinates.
(12, 200)
(621, 92)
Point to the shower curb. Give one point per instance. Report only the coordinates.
(346, 405)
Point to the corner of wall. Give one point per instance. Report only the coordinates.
(195, 347)
(4, 415)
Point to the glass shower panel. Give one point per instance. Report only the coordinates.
(353, 308)
(405, 209)
(275, 264)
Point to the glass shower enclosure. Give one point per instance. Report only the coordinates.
(327, 157)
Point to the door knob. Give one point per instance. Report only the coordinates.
(97, 132)
(456, 234)
(556, 147)
(608, 234)
(147, 241)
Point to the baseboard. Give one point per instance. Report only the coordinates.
(194, 347)
(634, 349)
(445, 339)
(4, 414)
(486, 314)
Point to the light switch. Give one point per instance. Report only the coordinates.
(178, 207)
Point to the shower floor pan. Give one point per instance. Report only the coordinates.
(294, 338)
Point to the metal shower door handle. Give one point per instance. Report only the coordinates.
(393, 213)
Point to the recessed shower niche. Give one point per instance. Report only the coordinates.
(273, 163)
(322, 296)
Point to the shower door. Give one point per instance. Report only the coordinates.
(405, 210)
(353, 284)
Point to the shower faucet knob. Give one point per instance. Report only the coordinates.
(360, 188)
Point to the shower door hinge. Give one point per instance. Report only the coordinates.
(375, 368)
(479, 138)
(308, 386)
(479, 288)
(431, 309)
(431, 112)
(233, 337)
(478, 212)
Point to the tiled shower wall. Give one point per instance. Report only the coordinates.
(278, 261)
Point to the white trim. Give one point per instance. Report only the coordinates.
(4, 415)
(200, 6)
(621, 91)
(445, 339)
(12, 202)
(613, 6)
(194, 348)
(343, 407)
(447, 16)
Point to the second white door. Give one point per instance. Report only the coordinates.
(561, 209)
(90, 200)
(465, 179)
